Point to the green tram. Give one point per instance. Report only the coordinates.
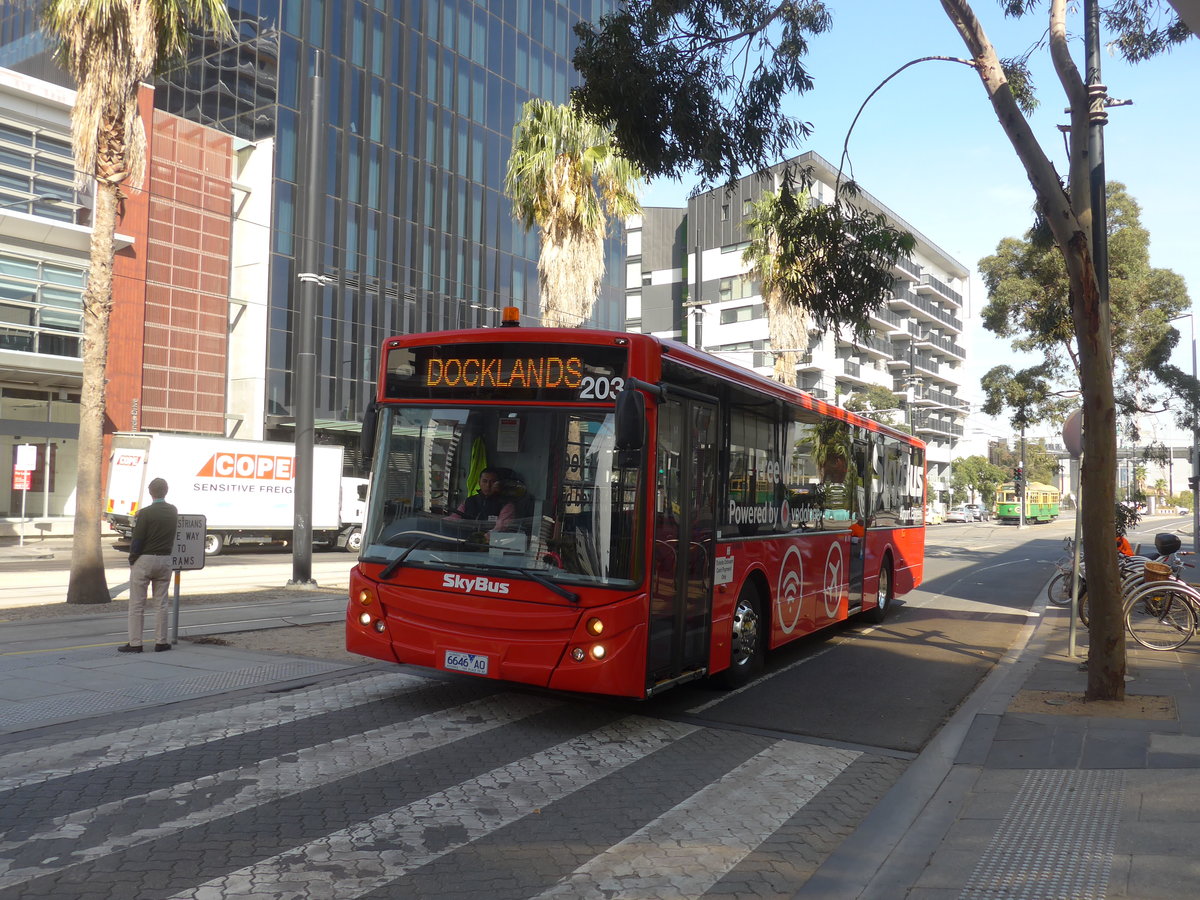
(1041, 503)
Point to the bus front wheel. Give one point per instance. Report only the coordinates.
(747, 644)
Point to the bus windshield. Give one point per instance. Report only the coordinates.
(512, 488)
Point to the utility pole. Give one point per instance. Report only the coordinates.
(304, 390)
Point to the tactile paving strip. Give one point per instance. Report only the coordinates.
(1056, 842)
(65, 707)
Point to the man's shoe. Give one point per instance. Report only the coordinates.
(129, 648)
(159, 648)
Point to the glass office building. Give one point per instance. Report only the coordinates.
(420, 101)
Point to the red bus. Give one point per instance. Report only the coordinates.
(665, 515)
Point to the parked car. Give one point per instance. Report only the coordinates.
(933, 516)
(960, 514)
(980, 511)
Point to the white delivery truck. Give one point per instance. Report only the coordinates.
(245, 489)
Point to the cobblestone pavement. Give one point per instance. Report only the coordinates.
(385, 784)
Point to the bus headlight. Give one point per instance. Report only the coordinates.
(379, 626)
(364, 618)
(595, 627)
(578, 655)
(598, 651)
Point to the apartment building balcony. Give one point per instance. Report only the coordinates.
(852, 373)
(923, 337)
(906, 269)
(873, 346)
(930, 284)
(887, 321)
(924, 423)
(923, 308)
(932, 397)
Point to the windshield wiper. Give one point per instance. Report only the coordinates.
(390, 568)
(525, 573)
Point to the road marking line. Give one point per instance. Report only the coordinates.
(133, 744)
(368, 855)
(265, 782)
(691, 847)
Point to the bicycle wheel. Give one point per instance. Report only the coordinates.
(1161, 616)
(1058, 591)
(1083, 604)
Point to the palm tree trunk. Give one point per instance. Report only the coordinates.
(88, 583)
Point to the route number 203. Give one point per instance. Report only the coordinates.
(600, 387)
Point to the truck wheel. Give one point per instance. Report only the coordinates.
(213, 544)
(354, 541)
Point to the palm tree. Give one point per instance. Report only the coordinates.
(565, 178)
(109, 47)
(787, 322)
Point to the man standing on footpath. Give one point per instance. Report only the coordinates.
(150, 563)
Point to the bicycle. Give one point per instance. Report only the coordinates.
(1132, 571)
(1058, 591)
(1162, 615)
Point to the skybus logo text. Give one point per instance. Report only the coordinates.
(471, 585)
(249, 465)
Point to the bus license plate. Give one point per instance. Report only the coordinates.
(471, 663)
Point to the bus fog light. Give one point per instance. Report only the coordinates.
(379, 626)
(598, 651)
(364, 618)
(595, 627)
(577, 654)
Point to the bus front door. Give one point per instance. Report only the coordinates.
(684, 525)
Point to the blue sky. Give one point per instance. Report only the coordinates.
(928, 144)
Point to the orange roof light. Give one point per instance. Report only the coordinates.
(511, 317)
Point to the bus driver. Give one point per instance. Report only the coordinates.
(489, 504)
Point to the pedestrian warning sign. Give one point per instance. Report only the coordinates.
(188, 552)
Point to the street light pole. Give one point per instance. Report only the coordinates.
(1195, 454)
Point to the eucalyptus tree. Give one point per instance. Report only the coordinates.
(1029, 303)
(565, 178)
(110, 47)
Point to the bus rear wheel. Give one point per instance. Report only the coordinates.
(747, 645)
(883, 603)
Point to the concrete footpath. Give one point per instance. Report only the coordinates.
(1029, 793)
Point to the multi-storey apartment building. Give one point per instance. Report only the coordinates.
(421, 100)
(686, 279)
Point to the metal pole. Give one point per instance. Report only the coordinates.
(1195, 453)
(1021, 492)
(1098, 115)
(175, 612)
(1072, 628)
(305, 388)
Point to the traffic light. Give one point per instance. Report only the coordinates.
(1019, 475)
(1194, 482)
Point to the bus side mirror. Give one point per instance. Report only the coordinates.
(631, 420)
(631, 428)
(366, 438)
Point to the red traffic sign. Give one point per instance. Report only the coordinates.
(22, 480)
